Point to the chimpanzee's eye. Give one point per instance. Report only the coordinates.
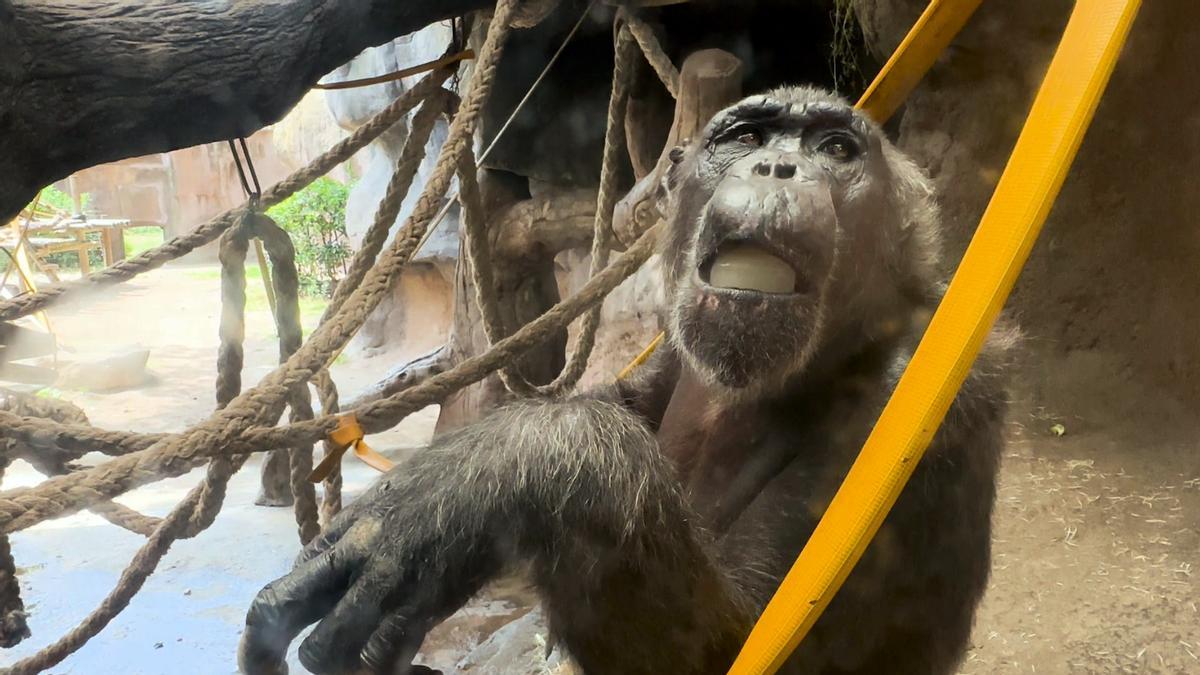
(750, 137)
(840, 147)
(745, 134)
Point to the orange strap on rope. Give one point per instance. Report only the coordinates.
(1053, 131)
(348, 434)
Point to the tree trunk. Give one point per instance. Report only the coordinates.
(524, 290)
(84, 82)
(526, 236)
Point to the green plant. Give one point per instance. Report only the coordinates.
(138, 239)
(316, 219)
(847, 49)
(61, 201)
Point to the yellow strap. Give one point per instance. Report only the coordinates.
(925, 42)
(348, 434)
(1035, 172)
(641, 358)
(935, 28)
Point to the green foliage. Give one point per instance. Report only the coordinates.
(61, 201)
(139, 239)
(847, 50)
(316, 219)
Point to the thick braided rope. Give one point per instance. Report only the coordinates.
(124, 517)
(373, 242)
(606, 201)
(264, 401)
(331, 485)
(398, 187)
(25, 507)
(127, 269)
(287, 325)
(330, 337)
(221, 432)
(197, 511)
(479, 261)
(384, 413)
(235, 242)
(655, 56)
(81, 438)
(13, 625)
(120, 475)
(52, 410)
(120, 443)
(478, 248)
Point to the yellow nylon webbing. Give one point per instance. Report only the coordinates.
(1053, 131)
(927, 39)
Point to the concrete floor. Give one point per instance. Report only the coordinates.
(188, 617)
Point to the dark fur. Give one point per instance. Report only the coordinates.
(657, 516)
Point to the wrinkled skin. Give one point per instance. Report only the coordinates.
(657, 516)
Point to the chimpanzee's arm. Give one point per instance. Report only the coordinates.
(576, 488)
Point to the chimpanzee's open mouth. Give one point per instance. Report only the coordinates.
(742, 265)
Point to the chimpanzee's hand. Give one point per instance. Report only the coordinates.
(387, 569)
(569, 480)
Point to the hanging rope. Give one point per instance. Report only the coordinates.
(373, 242)
(479, 250)
(13, 626)
(652, 49)
(287, 326)
(244, 423)
(172, 456)
(24, 507)
(264, 403)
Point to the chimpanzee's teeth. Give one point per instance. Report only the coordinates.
(749, 267)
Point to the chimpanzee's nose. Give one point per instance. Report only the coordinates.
(780, 168)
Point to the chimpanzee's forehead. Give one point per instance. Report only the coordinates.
(791, 107)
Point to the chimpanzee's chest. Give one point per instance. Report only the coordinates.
(726, 452)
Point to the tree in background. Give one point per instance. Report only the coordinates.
(316, 219)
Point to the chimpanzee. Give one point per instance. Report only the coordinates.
(656, 516)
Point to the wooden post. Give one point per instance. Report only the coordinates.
(709, 81)
(114, 244)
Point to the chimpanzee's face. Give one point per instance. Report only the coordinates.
(781, 215)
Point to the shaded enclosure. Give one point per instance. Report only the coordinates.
(1111, 365)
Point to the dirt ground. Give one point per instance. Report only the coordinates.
(1097, 549)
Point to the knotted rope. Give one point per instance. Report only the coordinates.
(479, 249)
(263, 404)
(243, 424)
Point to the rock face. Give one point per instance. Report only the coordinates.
(629, 319)
(1100, 298)
(417, 316)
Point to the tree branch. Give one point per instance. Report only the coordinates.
(403, 377)
(83, 82)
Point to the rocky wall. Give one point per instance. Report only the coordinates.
(1108, 299)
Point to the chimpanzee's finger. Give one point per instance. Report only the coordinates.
(395, 643)
(345, 519)
(329, 536)
(288, 604)
(333, 646)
